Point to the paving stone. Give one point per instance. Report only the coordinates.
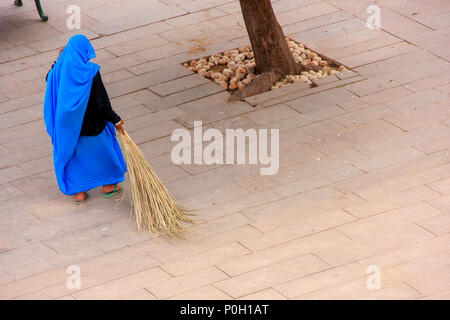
(180, 84)
(156, 131)
(322, 128)
(145, 80)
(21, 116)
(208, 292)
(329, 31)
(24, 76)
(426, 143)
(409, 253)
(421, 138)
(113, 63)
(266, 294)
(187, 282)
(438, 21)
(357, 289)
(436, 42)
(438, 224)
(116, 76)
(386, 95)
(67, 241)
(318, 181)
(157, 54)
(433, 283)
(423, 277)
(305, 13)
(122, 286)
(268, 256)
(378, 129)
(418, 100)
(16, 219)
(139, 294)
(217, 195)
(438, 296)
(428, 83)
(445, 88)
(109, 24)
(290, 96)
(321, 280)
(133, 99)
(417, 171)
(318, 165)
(268, 115)
(395, 64)
(5, 278)
(359, 48)
(28, 62)
(401, 183)
(319, 222)
(347, 40)
(389, 221)
(346, 74)
(316, 22)
(154, 118)
(24, 255)
(356, 60)
(210, 258)
(365, 115)
(60, 41)
(185, 20)
(56, 261)
(329, 79)
(102, 269)
(216, 210)
(441, 186)
(373, 244)
(184, 97)
(37, 182)
(420, 116)
(400, 25)
(391, 80)
(131, 34)
(272, 94)
(386, 160)
(170, 251)
(217, 111)
(30, 33)
(136, 45)
(275, 274)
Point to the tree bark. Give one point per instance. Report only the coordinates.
(273, 58)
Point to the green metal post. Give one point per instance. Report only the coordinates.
(39, 9)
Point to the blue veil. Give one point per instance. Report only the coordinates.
(66, 98)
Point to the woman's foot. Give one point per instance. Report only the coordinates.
(111, 189)
(80, 197)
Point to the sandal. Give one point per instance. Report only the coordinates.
(86, 195)
(115, 191)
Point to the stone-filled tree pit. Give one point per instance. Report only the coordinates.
(235, 69)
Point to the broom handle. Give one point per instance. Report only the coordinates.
(119, 127)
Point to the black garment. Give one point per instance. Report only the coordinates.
(98, 110)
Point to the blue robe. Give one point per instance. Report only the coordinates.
(81, 162)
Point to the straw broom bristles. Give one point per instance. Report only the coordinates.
(151, 202)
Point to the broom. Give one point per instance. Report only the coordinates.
(152, 204)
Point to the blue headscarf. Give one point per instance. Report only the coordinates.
(66, 98)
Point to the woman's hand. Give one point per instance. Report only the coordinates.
(119, 127)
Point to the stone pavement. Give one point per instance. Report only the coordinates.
(364, 173)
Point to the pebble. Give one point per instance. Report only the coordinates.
(238, 67)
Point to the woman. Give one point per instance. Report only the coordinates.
(80, 121)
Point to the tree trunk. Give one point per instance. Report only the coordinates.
(272, 55)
